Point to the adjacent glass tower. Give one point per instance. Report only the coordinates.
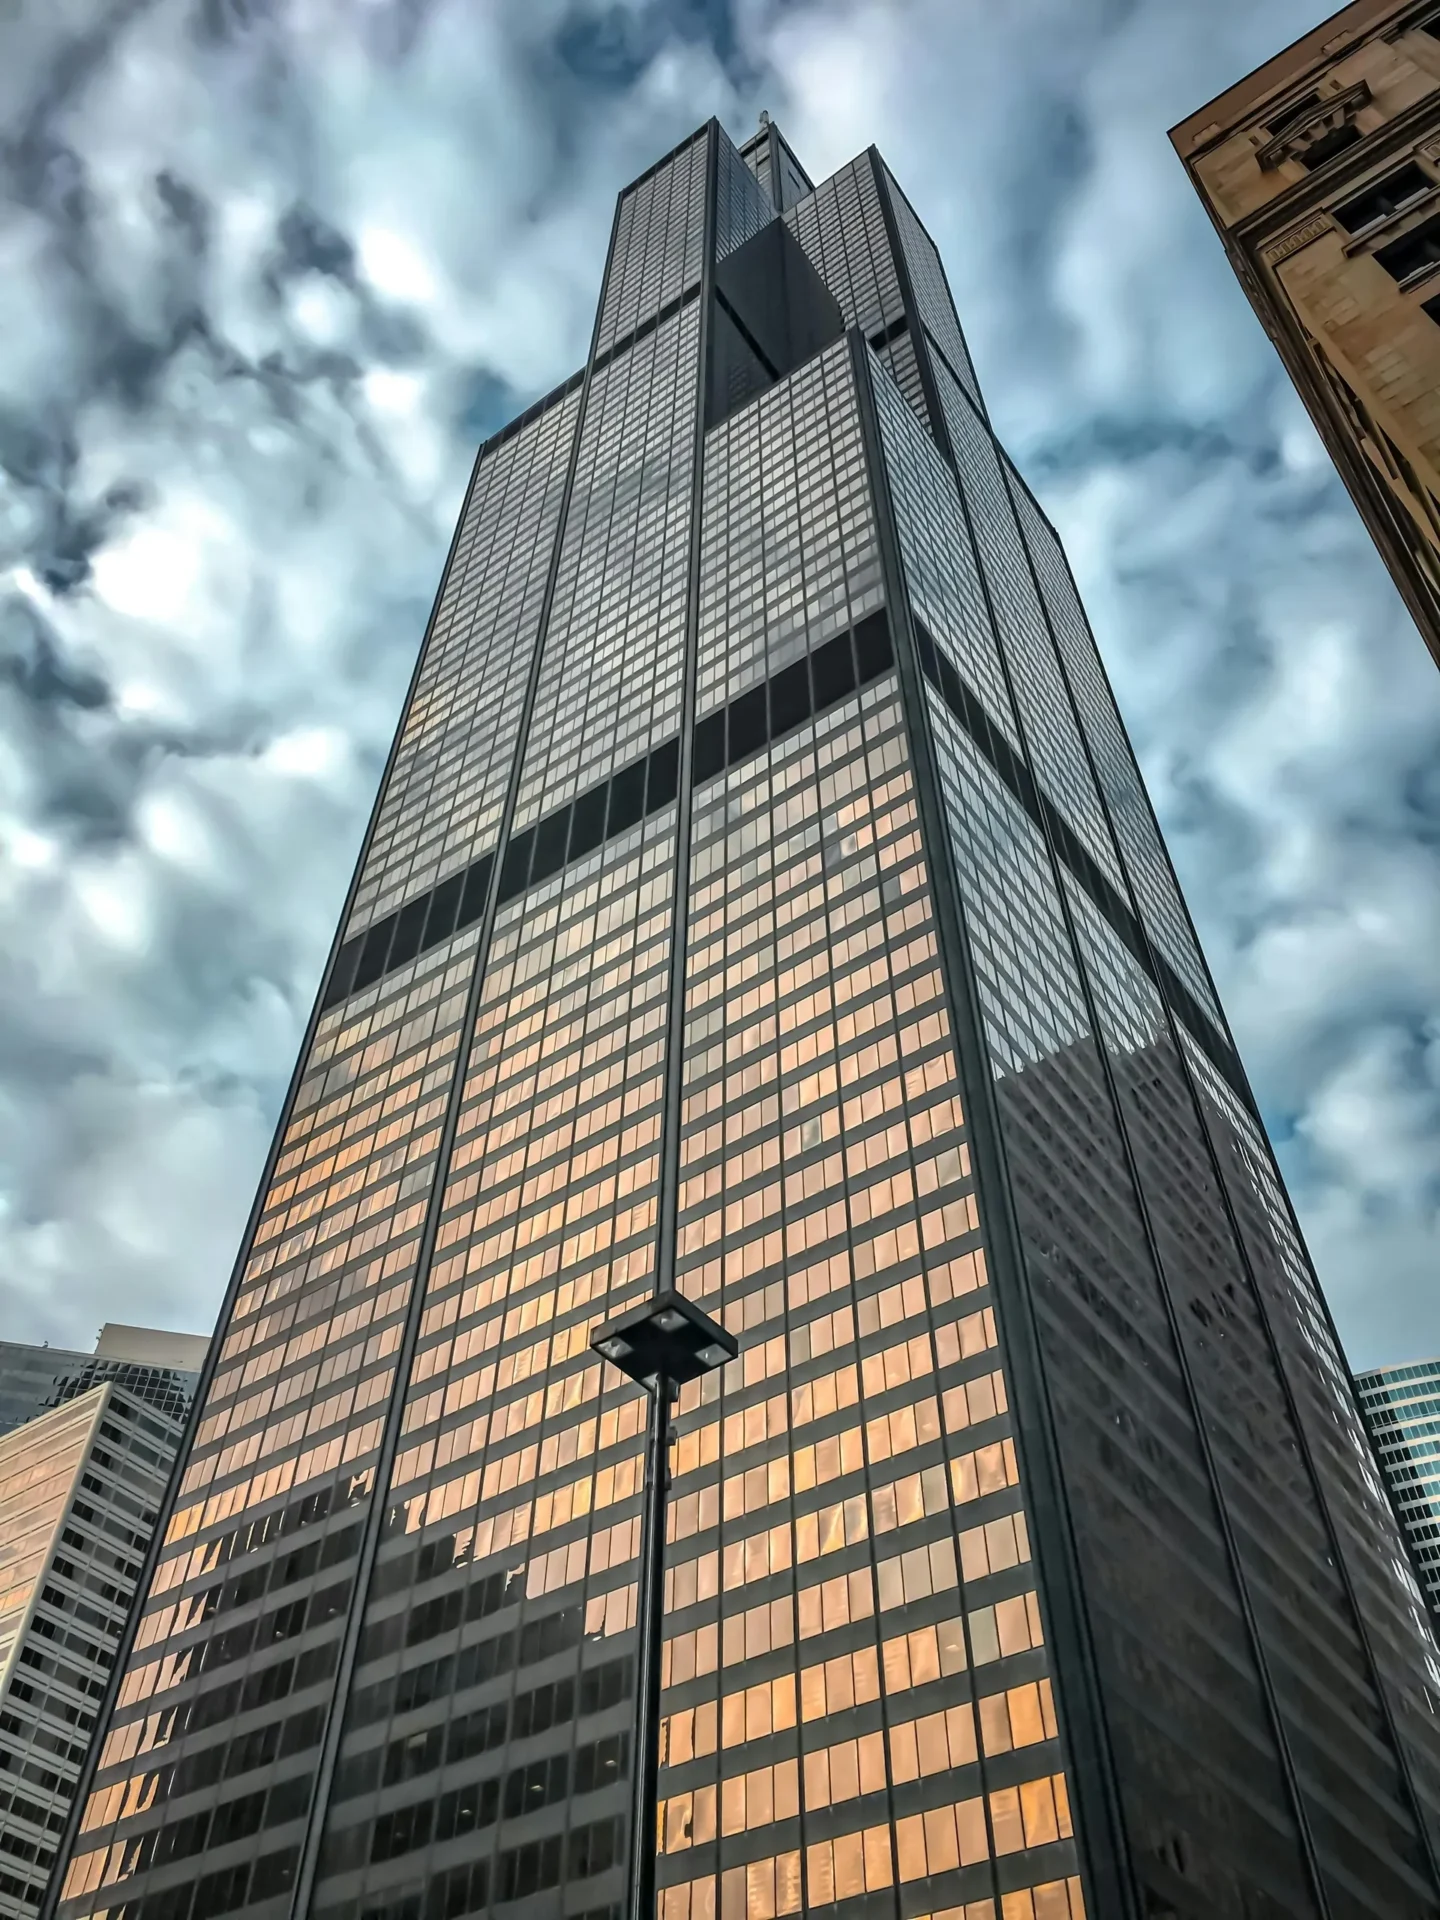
(1401, 1406)
(762, 892)
(163, 1369)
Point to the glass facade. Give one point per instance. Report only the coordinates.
(762, 895)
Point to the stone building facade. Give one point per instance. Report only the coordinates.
(1321, 171)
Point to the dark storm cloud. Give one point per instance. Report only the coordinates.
(267, 272)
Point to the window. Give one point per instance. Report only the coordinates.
(1334, 140)
(1385, 197)
(1414, 252)
(1280, 119)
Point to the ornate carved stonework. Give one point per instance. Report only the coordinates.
(1327, 118)
(1298, 237)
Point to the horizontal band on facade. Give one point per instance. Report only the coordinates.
(887, 336)
(1003, 759)
(646, 327)
(809, 686)
(532, 413)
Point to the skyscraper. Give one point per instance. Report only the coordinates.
(80, 1490)
(1401, 1406)
(762, 893)
(1321, 172)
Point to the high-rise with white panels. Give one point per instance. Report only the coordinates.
(1401, 1406)
(762, 895)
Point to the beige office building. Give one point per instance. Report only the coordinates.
(1321, 171)
(80, 1487)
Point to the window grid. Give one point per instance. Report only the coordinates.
(849, 1553)
(442, 802)
(245, 1605)
(788, 553)
(932, 289)
(742, 203)
(1092, 1273)
(899, 360)
(1156, 892)
(610, 678)
(941, 572)
(1293, 1586)
(512, 1521)
(659, 238)
(841, 227)
(1400, 1632)
(1056, 751)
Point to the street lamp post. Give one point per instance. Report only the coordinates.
(661, 1345)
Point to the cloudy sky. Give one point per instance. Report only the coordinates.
(268, 270)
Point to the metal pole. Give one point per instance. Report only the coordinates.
(650, 1610)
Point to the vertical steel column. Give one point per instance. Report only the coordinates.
(650, 1627)
(667, 1209)
(645, 1760)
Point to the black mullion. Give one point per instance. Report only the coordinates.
(668, 1193)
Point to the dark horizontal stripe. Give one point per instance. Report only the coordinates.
(633, 794)
(455, 903)
(658, 319)
(1020, 781)
(887, 335)
(809, 686)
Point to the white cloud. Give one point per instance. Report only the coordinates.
(151, 574)
(312, 753)
(115, 898)
(393, 265)
(29, 849)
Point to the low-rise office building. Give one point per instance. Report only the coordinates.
(80, 1487)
